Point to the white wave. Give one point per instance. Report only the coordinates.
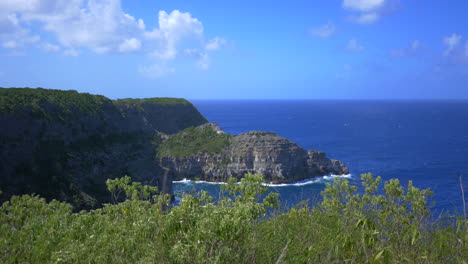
(301, 183)
(182, 181)
(208, 182)
(187, 181)
(309, 181)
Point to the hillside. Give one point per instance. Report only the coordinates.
(65, 144)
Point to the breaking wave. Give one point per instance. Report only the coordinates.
(322, 179)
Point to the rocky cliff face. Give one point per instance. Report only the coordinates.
(65, 144)
(278, 159)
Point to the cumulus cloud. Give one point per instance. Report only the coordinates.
(181, 34)
(354, 46)
(12, 34)
(324, 31)
(365, 11)
(101, 26)
(130, 45)
(173, 28)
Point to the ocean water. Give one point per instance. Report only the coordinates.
(422, 141)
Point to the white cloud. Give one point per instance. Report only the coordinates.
(455, 52)
(354, 46)
(324, 31)
(363, 5)
(71, 52)
(156, 70)
(130, 45)
(451, 42)
(414, 50)
(101, 26)
(50, 47)
(204, 61)
(12, 34)
(9, 23)
(141, 24)
(10, 44)
(366, 11)
(367, 18)
(178, 32)
(173, 28)
(202, 58)
(215, 44)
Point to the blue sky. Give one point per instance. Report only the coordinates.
(324, 49)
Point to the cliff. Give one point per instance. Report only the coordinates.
(207, 153)
(65, 144)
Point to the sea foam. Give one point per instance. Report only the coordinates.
(314, 180)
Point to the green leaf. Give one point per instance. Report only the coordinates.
(379, 255)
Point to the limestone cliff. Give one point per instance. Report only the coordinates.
(65, 144)
(209, 154)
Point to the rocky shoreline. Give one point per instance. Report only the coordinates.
(276, 158)
(64, 145)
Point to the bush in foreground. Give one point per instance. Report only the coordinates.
(241, 227)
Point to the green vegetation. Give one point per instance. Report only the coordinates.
(192, 141)
(47, 103)
(162, 101)
(41, 101)
(134, 190)
(161, 110)
(346, 227)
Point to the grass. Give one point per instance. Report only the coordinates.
(346, 227)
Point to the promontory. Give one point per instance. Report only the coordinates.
(64, 145)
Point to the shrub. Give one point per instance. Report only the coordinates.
(192, 141)
(377, 226)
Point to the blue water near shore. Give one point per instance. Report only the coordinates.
(422, 141)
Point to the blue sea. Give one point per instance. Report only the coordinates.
(422, 141)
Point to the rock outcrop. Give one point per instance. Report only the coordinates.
(276, 158)
(64, 144)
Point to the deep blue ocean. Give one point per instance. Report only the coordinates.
(422, 141)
